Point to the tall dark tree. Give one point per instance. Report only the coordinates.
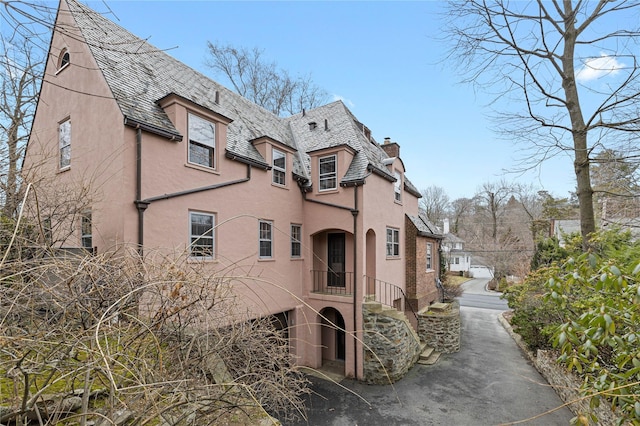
(544, 56)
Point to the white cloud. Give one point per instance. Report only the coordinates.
(594, 68)
(347, 102)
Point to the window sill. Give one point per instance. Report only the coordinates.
(393, 258)
(64, 169)
(266, 259)
(202, 168)
(62, 68)
(277, 185)
(202, 260)
(296, 259)
(398, 202)
(328, 191)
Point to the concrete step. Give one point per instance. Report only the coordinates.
(429, 357)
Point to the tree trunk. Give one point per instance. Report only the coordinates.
(581, 161)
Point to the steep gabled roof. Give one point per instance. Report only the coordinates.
(139, 75)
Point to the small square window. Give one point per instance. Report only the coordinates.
(393, 242)
(266, 239)
(279, 168)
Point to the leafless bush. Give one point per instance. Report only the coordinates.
(118, 340)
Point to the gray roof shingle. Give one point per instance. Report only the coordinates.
(139, 75)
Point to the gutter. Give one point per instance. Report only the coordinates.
(142, 205)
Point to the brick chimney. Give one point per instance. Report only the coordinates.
(391, 148)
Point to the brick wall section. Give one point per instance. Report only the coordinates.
(420, 284)
(410, 240)
(441, 329)
(391, 345)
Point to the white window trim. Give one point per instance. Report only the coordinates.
(64, 122)
(393, 243)
(212, 146)
(429, 255)
(261, 240)
(201, 237)
(275, 168)
(296, 241)
(397, 188)
(86, 218)
(328, 176)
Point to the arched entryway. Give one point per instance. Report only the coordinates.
(333, 341)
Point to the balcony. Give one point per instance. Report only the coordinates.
(334, 283)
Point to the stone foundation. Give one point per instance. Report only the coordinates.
(391, 345)
(439, 327)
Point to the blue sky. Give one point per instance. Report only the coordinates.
(383, 59)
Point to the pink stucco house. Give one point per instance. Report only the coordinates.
(310, 205)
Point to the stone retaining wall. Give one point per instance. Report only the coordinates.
(441, 329)
(391, 345)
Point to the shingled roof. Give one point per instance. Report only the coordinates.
(139, 75)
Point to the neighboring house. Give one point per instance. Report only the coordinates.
(311, 206)
(457, 259)
(560, 228)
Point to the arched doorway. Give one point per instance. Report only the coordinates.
(333, 338)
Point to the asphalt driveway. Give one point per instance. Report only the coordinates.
(489, 382)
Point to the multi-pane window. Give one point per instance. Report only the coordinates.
(393, 242)
(279, 168)
(202, 244)
(202, 141)
(328, 176)
(429, 256)
(265, 235)
(397, 187)
(85, 231)
(64, 137)
(296, 240)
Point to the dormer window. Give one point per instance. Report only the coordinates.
(328, 176)
(63, 60)
(397, 187)
(202, 141)
(279, 167)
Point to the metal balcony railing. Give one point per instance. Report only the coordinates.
(331, 282)
(387, 294)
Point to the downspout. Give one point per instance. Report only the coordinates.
(354, 213)
(141, 205)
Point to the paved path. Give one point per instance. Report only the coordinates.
(489, 382)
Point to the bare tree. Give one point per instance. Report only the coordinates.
(24, 37)
(434, 203)
(263, 82)
(615, 181)
(460, 208)
(491, 200)
(547, 55)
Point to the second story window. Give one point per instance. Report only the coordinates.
(266, 239)
(397, 187)
(64, 137)
(328, 176)
(279, 167)
(202, 141)
(429, 259)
